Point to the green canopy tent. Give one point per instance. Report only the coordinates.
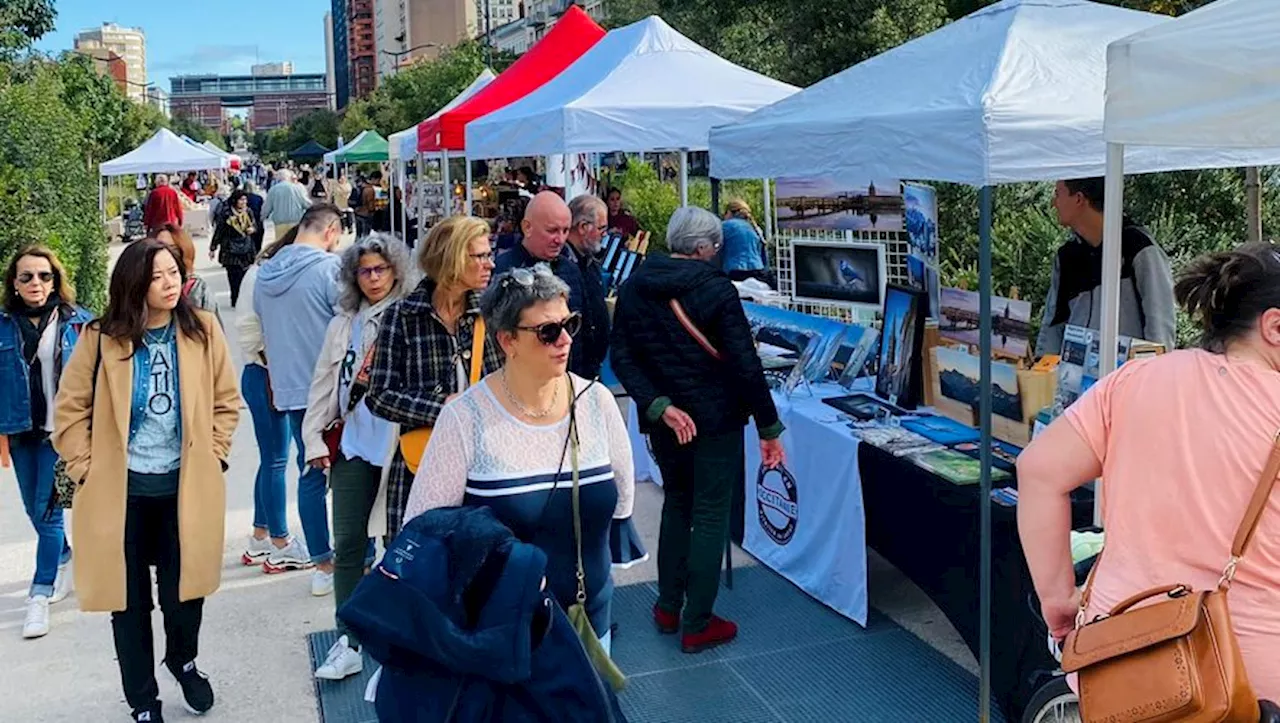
(368, 147)
(310, 149)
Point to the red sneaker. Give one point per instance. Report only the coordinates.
(718, 632)
(667, 623)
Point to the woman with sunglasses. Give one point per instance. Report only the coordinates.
(515, 442)
(373, 275)
(423, 353)
(39, 326)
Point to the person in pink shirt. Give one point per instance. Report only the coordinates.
(1179, 442)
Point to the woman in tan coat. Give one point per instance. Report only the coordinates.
(144, 420)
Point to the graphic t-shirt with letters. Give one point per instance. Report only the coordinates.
(155, 419)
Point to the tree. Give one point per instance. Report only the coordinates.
(22, 22)
(197, 132)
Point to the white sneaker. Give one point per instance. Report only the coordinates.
(37, 623)
(292, 556)
(63, 583)
(343, 661)
(257, 551)
(321, 583)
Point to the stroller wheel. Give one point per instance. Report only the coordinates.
(1053, 703)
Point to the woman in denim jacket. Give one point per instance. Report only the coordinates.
(39, 326)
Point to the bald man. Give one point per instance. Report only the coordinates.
(546, 226)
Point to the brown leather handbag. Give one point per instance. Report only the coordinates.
(1176, 659)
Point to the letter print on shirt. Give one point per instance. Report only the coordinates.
(160, 401)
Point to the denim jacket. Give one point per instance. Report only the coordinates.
(15, 412)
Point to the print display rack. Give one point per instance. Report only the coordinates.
(897, 246)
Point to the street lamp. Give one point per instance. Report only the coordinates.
(399, 54)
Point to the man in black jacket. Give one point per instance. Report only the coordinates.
(691, 367)
(549, 229)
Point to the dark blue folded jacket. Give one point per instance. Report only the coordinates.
(456, 615)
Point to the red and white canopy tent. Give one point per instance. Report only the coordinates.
(573, 35)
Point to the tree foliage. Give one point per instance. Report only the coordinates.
(22, 22)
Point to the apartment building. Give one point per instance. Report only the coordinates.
(128, 43)
(330, 69)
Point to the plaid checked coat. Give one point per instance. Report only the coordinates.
(414, 370)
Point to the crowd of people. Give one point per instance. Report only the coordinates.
(406, 381)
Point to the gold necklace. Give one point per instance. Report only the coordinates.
(530, 413)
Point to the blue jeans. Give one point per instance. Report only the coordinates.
(33, 463)
(271, 428)
(313, 490)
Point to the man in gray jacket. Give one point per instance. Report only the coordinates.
(1075, 293)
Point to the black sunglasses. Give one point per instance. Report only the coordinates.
(549, 333)
(26, 276)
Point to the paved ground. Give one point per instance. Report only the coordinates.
(253, 641)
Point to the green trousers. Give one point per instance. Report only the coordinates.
(698, 480)
(355, 487)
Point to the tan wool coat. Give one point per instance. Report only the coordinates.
(99, 459)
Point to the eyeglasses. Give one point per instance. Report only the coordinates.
(26, 277)
(486, 256)
(522, 276)
(369, 272)
(549, 333)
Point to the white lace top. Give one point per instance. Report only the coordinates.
(480, 449)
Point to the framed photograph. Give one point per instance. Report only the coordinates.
(900, 376)
(797, 374)
(858, 354)
(862, 407)
(920, 218)
(783, 330)
(1010, 321)
(959, 375)
(628, 261)
(823, 203)
(610, 247)
(840, 272)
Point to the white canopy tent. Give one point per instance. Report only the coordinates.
(164, 152)
(643, 87)
(404, 145)
(1210, 79)
(1011, 93)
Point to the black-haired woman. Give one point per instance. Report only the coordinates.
(233, 242)
(39, 325)
(144, 419)
(1181, 441)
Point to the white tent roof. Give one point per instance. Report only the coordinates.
(1012, 92)
(404, 145)
(1211, 78)
(642, 87)
(164, 152)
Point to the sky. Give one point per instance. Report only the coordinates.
(194, 38)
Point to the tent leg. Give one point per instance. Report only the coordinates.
(469, 212)
(448, 187)
(1112, 228)
(684, 178)
(984, 494)
(767, 211)
(404, 201)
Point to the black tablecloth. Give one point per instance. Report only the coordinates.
(930, 529)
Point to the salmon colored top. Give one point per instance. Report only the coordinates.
(1182, 439)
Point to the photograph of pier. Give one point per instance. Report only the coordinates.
(816, 203)
(1010, 321)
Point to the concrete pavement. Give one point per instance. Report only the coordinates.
(253, 643)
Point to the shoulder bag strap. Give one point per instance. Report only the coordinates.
(477, 350)
(1257, 504)
(577, 511)
(693, 330)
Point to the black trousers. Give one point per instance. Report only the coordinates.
(235, 277)
(151, 538)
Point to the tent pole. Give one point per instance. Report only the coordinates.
(684, 177)
(448, 187)
(1112, 229)
(404, 201)
(984, 494)
(391, 201)
(468, 196)
(768, 209)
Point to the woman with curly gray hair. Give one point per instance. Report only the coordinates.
(341, 435)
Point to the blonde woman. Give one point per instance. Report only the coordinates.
(423, 355)
(373, 275)
(742, 256)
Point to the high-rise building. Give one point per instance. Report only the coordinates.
(341, 57)
(128, 43)
(108, 63)
(158, 98)
(541, 15)
(362, 48)
(329, 69)
(284, 68)
(273, 101)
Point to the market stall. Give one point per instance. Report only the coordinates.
(644, 87)
(1010, 93)
(1207, 80)
(163, 152)
(572, 35)
(311, 150)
